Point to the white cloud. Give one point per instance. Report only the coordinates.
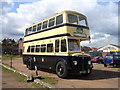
(102, 18)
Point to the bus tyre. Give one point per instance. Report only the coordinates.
(30, 64)
(61, 70)
(105, 65)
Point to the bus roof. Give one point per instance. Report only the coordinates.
(57, 14)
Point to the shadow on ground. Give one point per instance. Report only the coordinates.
(95, 75)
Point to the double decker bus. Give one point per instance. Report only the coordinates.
(54, 43)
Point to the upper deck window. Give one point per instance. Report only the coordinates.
(30, 30)
(44, 25)
(34, 28)
(51, 22)
(59, 19)
(82, 21)
(72, 19)
(26, 31)
(39, 27)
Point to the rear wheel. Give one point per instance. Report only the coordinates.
(30, 64)
(61, 70)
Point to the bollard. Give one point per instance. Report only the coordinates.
(11, 62)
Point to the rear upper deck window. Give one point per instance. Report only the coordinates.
(30, 30)
(44, 25)
(26, 31)
(34, 28)
(59, 19)
(72, 19)
(39, 27)
(51, 22)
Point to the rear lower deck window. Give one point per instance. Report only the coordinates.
(32, 48)
(28, 50)
(43, 48)
(37, 48)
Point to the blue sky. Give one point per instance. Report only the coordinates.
(102, 17)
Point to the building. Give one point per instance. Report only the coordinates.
(108, 49)
(20, 46)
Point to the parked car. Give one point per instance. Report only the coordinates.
(97, 59)
(111, 59)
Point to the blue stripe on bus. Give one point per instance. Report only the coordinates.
(66, 24)
(60, 35)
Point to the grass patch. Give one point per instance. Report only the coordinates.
(8, 57)
(21, 78)
(50, 80)
(18, 76)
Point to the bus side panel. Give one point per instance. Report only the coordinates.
(45, 61)
(49, 62)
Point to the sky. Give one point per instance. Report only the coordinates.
(102, 16)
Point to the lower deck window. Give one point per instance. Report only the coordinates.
(37, 48)
(43, 48)
(32, 48)
(28, 50)
(73, 45)
(56, 45)
(63, 46)
(49, 47)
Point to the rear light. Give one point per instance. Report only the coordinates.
(112, 61)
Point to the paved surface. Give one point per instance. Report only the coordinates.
(101, 77)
